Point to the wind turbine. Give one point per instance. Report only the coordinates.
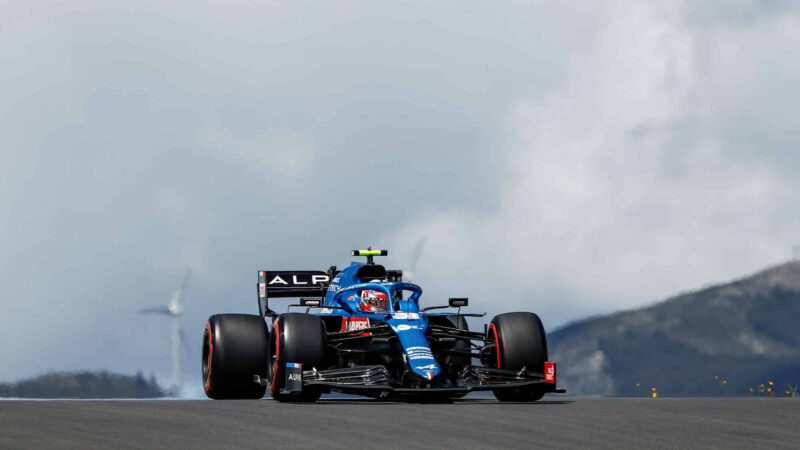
(174, 310)
(415, 254)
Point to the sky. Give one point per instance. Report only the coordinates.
(567, 158)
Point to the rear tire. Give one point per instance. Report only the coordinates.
(234, 350)
(298, 338)
(520, 341)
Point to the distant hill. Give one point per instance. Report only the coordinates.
(84, 385)
(720, 340)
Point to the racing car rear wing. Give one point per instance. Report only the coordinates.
(289, 284)
(299, 283)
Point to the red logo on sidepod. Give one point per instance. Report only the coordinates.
(355, 324)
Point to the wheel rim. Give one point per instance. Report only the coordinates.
(496, 339)
(273, 350)
(206, 359)
(270, 356)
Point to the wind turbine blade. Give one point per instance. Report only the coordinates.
(176, 302)
(415, 254)
(185, 344)
(186, 275)
(161, 310)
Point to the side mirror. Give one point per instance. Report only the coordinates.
(458, 302)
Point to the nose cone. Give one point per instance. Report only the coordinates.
(411, 334)
(425, 367)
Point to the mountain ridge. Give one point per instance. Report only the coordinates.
(722, 339)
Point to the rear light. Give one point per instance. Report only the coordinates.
(550, 373)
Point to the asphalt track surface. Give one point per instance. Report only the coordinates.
(469, 423)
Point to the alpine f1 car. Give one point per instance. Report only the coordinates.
(368, 335)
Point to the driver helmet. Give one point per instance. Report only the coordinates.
(374, 301)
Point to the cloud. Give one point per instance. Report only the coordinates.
(570, 160)
(621, 188)
(268, 155)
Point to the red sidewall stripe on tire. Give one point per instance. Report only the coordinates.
(207, 386)
(273, 387)
(493, 330)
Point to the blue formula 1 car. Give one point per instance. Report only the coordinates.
(368, 335)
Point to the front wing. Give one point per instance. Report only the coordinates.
(375, 381)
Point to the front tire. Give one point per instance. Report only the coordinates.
(298, 338)
(234, 350)
(520, 341)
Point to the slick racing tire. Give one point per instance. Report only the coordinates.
(295, 338)
(519, 341)
(234, 350)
